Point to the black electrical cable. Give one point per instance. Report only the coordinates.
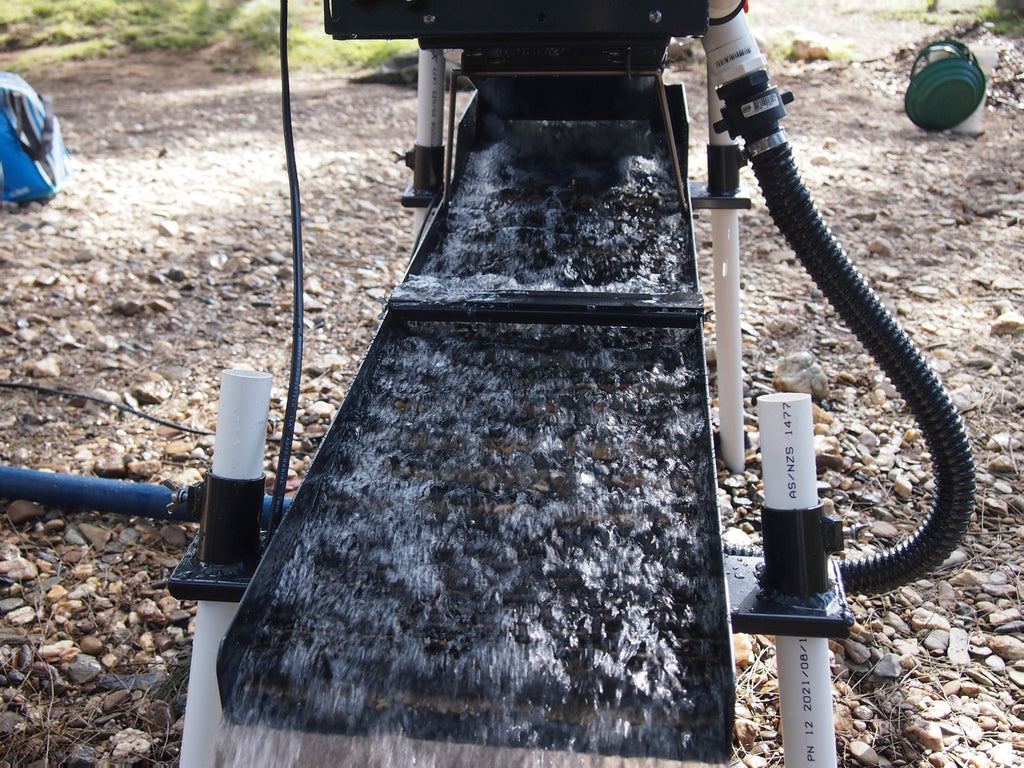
(292, 403)
(105, 401)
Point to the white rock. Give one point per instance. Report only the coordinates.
(1007, 324)
(130, 743)
(799, 372)
(168, 228)
(46, 368)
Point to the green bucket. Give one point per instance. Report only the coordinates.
(946, 86)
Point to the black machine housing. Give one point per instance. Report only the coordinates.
(461, 24)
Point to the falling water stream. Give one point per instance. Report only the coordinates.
(506, 552)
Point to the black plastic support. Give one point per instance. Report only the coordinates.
(724, 163)
(753, 611)
(193, 579)
(795, 590)
(427, 167)
(229, 531)
(794, 551)
(680, 309)
(702, 198)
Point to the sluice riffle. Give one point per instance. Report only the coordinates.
(507, 550)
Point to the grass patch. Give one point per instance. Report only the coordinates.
(39, 32)
(1005, 23)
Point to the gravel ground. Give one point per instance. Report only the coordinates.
(166, 259)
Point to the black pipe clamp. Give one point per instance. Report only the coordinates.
(229, 530)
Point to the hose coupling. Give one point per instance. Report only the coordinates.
(755, 148)
(752, 107)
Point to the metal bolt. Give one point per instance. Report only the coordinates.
(429, 18)
(654, 17)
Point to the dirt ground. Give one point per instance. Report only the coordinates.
(167, 259)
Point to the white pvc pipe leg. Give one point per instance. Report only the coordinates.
(238, 452)
(725, 247)
(203, 710)
(429, 115)
(728, 337)
(241, 437)
(786, 423)
(805, 695)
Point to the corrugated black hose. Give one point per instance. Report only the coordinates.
(797, 218)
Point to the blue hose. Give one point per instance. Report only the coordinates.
(118, 497)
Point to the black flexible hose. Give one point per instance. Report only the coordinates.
(794, 213)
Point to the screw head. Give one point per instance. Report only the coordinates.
(654, 17)
(429, 18)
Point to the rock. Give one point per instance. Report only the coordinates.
(902, 486)
(96, 536)
(150, 612)
(1007, 647)
(21, 511)
(746, 732)
(970, 728)
(799, 372)
(130, 744)
(889, 667)
(1007, 324)
(863, 753)
(810, 48)
(113, 700)
(11, 723)
(18, 569)
(91, 645)
(926, 618)
(743, 650)
(168, 228)
(46, 368)
(856, 652)
(995, 663)
(9, 604)
(153, 391)
(937, 640)
(884, 530)
(925, 734)
(938, 710)
(61, 650)
(158, 713)
(173, 536)
(81, 756)
(144, 469)
(84, 669)
(1002, 463)
(21, 616)
(828, 452)
(110, 466)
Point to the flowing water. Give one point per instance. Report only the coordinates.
(507, 550)
(579, 206)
